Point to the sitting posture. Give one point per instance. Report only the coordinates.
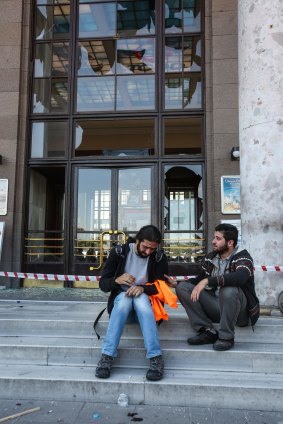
(223, 292)
(125, 274)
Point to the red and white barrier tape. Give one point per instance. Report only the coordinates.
(95, 278)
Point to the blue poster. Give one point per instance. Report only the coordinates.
(230, 194)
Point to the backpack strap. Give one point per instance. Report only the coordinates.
(96, 322)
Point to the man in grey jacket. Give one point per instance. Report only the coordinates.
(223, 292)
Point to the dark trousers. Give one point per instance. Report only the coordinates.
(227, 309)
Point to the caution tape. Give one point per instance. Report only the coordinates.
(96, 278)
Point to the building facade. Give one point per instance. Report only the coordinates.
(117, 114)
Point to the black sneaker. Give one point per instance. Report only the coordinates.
(156, 368)
(204, 336)
(103, 368)
(222, 344)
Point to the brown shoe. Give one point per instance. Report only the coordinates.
(222, 344)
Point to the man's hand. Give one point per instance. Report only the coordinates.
(170, 282)
(198, 289)
(134, 291)
(126, 279)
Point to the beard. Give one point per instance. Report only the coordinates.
(142, 255)
(223, 249)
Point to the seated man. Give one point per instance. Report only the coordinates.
(223, 292)
(124, 275)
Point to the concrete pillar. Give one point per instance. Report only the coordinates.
(260, 36)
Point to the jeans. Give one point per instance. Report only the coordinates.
(229, 309)
(126, 310)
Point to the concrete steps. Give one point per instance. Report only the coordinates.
(48, 350)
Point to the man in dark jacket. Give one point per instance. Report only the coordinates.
(125, 273)
(223, 292)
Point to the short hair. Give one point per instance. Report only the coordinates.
(150, 233)
(229, 231)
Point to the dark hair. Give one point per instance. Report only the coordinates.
(229, 231)
(150, 233)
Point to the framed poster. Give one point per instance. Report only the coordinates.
(230, 194)
(3, 197)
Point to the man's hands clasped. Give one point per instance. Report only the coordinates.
(129, 280)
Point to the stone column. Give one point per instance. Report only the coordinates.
(260, 36)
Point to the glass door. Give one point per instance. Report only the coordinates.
(111, 204)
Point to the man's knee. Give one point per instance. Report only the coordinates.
(227, 294)
(184, 287)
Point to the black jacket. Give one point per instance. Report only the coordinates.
(115, 266)
(241, 274)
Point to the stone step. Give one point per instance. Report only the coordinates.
(269, 330)
(183, 388)
(255, 357)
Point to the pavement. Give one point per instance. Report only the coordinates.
(99, 413)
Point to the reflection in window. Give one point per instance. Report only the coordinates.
(136, 93)
(182, 16)
(134, 198)
(183, 213)
(183, 88)
(182, 135)
(136, 17)
(95, 94)
(123, 137)
(97, 20)
(52, 22)
(135, 55)
(96, 57)
(48, 139)
(94, 199)
(59, 95)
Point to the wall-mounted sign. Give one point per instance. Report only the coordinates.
(3, 197)
(230, 194)
(2, 226)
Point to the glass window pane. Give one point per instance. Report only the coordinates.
(123, 137)
(97, 20)
(173, 16)
(96, 57)
(61, 27)
(136, 92)
(173, 54)
(135, 55)
(192, 54)
(41, 95)
(94, 200)
(134, 199)
(44, 22)
(60, 60)
(95, 94)
(45, 241)
(192, 9)
(135, 17)
(42, 61)
(192, 92)
(48, 139)
(59, 95)
(173, 92)
(182, 136)
(183, 213)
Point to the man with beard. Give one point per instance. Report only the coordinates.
(128, 268)
(223, 292)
